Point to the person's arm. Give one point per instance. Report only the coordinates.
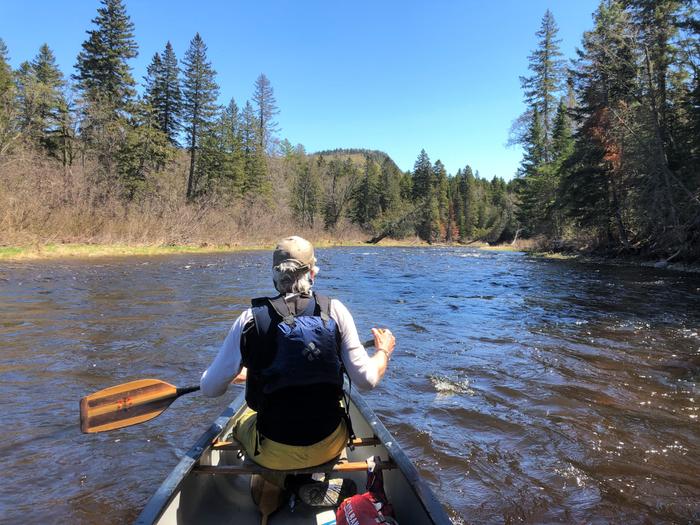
(364, 371)
(227, 363)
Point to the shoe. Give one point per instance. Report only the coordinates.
(327, 493)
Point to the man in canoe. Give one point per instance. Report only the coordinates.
(292, 350)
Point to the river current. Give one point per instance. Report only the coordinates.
(524, 390)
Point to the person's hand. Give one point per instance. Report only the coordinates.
(384, 341)
(241, 377)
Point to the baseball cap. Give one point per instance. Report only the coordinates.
(294, 249)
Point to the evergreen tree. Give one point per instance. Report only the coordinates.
(389, 186)
(152, 80)
(467, 191)
(144, 150)
(422, 177)
(595, 178)
(547, 74)
(27, 94)
(7, 101)
(266, 110)
(52, 104)
(103, 72)
(672, 206)
(442, 196)
(367, 206)
(425, 196)
(200, 92)
(538, 171)
(255, 164)
(169, 104)
(220, 168)
(162, 87)
(562, 136)
(233, 146)
(41, 103)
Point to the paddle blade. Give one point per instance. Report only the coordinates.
(124, 405)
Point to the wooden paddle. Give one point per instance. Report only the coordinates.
(133, 403)
(128, 404)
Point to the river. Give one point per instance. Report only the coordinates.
(525, 390)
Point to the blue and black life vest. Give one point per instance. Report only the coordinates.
(295, 370)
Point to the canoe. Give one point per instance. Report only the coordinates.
(211, 483)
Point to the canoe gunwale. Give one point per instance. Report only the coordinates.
(422, 491)
(158, 503)
(167, 490)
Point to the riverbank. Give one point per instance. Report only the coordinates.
(617, 261)
(86, 250)
(89, 251)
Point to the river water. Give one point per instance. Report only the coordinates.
(525, 390)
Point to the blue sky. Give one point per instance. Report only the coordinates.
(394, 76)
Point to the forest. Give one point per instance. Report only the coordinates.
(611, 142)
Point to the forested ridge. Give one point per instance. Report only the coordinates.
(610, 141)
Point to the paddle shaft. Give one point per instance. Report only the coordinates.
(132, 403)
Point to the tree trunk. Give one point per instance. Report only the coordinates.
(190, 178)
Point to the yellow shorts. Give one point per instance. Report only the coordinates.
(278, 456)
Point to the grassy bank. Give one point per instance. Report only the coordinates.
(95, 250)
(88, 250)
(79, 250)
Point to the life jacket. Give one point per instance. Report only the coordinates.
(293, 352)
(371, 507)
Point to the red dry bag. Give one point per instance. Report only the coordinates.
(369, 508)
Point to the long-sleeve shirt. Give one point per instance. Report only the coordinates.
(362, 370)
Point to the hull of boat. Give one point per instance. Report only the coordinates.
(211, 484)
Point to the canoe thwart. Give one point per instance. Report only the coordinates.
(235, 445)
(250, 467)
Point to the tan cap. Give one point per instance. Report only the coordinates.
(294, 249)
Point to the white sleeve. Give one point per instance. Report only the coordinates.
(227, 364)
(362, 370)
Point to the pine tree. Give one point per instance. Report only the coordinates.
(547, 74)
(467, 192)
(389, 186)
(170, 100)
(144, 150)
(425, 196)
(27, 94)
(367, 206)
(255, 165)
(562, 135)
(153, 80)
(103, 72)
(442, 196)
(220, 168)
(233, 146)
(162, 87)
(538, 182)
(422, 177)
(8, 131)
(200, 92)
(266, 110)
(42, 104)
(595, 178)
